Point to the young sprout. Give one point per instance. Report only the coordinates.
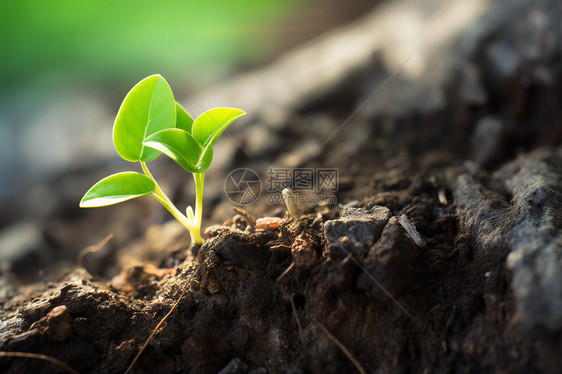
(291, 203)
(150, 122)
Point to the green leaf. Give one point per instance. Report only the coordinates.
(209, 126)
(149, 107)
(183, 119)
(206, 158)
(117, 188)
(181, 147)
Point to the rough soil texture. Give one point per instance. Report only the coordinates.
(443, 254)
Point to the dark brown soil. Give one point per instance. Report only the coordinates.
(395, 306)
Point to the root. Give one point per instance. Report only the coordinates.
(249, 219)
(299, 325)
(286, 271)
(342, 347)
(39, 357)
(92, 249)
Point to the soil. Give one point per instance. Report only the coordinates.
(236, 309)
(340, 288)
(395, 306)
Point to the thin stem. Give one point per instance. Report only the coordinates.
(158, 189)
(199, 183)
(159, 195)
(175, 212)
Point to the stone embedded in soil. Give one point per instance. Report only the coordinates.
(390, 261)
(357, 225)
(56, 324)
(528, 221)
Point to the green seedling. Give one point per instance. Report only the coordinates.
(150, 122)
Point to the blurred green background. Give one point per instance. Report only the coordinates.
(62, 41)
